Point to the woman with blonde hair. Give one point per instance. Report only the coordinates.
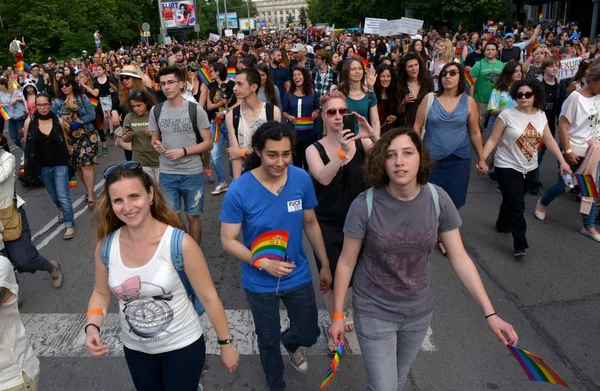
(163, 340)
(445, 54)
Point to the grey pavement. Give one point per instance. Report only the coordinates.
(552, 298)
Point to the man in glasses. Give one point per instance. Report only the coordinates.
(180, 143)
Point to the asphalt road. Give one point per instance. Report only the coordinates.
(552, 299)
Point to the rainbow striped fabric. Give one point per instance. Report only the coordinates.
(217, 135)
(303, 124)
(535, 368)
(94, 101)
(204, 74)
(531, 48)
(540, 17)
(333, 368)
(271, 244)
(231, 73)
(587, 186)
(6, 112)
(469, 80)
(113, 85)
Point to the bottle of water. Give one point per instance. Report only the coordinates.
(568, 180)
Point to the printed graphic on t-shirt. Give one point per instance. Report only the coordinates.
(529, 141)
(176, 125)
(146, 316)
(294, 206)
(401, 264)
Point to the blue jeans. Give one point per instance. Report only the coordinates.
(559, 188)
(23, 254)
(13, 129)
(304, 328)
(56, 180)
(190, 187)
(541, 154)
(177, 370)
(216, 154)
(389, 349)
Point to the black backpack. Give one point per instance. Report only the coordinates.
(237, 113)
(193, 117)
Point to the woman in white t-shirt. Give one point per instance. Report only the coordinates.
(517, 134)
(161, 333)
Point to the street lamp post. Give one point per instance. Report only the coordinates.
(595, 15)
(225, 18)
(218, 21)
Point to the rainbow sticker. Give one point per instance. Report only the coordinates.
(271, 244)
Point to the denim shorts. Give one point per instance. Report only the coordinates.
(190, 187)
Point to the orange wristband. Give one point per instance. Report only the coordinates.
(244, 152)
(338, 315)
(95, 311)
(256, 264)
(341, 154)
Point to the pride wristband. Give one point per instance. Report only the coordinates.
(244, 152)
(338, 315)
(94, 311)
(256, 264)
(341, 154)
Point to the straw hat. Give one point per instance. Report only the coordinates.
(131, 71)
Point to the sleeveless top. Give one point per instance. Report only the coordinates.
(246, 130)
(447, 133)
(156, 315)
(334, 200)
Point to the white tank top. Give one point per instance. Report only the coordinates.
(246, 130)
(155, 313)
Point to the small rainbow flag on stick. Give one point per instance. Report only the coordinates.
(333, 368)
(303, 124)
(6, 112)
(535, 368)
(73, 182)
(540, 17)
(94, 101)
(469, 80)
(231, 73)
(493, 29)
(217, 135)
(204, 75)
(587, 186)
(271, 244)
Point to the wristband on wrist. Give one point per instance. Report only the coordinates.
(184, 152)
(256, 264)
(95, 311)
(341, 154)
(490, 315)
(244, 152)
(338, 315)
(567, 151)
(92, 325)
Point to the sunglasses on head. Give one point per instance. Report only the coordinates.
(525, 95)
(332, 112)
(130, 165)
(451, 72)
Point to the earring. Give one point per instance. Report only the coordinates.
(151, 202)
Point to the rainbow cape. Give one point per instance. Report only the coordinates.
(204, 75)
(587, 186)
(333, 368)
(6, 112)
(231, 73)
(303, 124)
(469, 80)
(94, 101)
(535, 368)
(271, 244)
(217, 135)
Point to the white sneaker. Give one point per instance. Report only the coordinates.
(221, 188)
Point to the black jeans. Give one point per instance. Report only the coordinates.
(511, 218)
(177, 370)
(23, 254)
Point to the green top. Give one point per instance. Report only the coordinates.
(486, 74)
(141, 144)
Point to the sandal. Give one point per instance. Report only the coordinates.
(91, 204)
(331, 347)
(348, 324)
(68, 236)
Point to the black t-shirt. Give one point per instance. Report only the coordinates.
(550, 92)
(512, 54)
(472, 58)
(103, 88)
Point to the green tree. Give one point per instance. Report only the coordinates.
(290, 20)
(350, 13)
(303, 17)
(471, 13)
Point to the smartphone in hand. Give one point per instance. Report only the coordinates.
(350, 123)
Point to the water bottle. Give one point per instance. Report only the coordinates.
(568, 180)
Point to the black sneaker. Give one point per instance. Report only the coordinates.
(520, 254)
(492, 176)
(534, 190)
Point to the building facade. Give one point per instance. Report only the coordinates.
(276, 12)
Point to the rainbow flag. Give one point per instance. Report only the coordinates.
(460, 27)
(6, 112)
(113, 85)
(303, 124)
(540, 17)
(204, 75)
(406, 48)
(143, 38)
(493, 29)
(271, 244)
(535, 368)
(217, 135)
(373, 51)
(231, 73)
(73, 182)
(531, 48)
(587, 186)
(333, 368)
(469, 80)
(94, 101)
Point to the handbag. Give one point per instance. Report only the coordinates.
(11, 219)
(430, 98)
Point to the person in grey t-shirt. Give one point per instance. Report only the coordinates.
(180, 166)
(393, 293)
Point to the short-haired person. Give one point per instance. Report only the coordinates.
(484, 74)
(281, 75)
(393, 291)
(273, 202)
(180, 165)
(516, 134)
(323, 76)
(252, 114)
(512, 51)
(161, 333)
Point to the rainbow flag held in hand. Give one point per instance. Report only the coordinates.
(6, 112)
(493, 29)
(531, 48)
(94, 101)
(304, 124)
(535, 368)
(469, 80)
(271, 244)
(204, 74)
(540, 17)
(333, 368)
(73, 182)
(113, 85)
(231, 73)
(217, 135)
(587, 186)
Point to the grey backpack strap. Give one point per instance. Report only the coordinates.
(369, 202)
(157, 110)
(436, 199)
(193, 113)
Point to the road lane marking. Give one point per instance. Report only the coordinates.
(61, 335)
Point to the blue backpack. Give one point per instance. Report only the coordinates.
(176, 258)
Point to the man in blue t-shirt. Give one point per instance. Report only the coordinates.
(281, 75)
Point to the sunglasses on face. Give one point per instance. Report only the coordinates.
(332, 112)
(525, 95)
(130, 165)
(65, 85)
(125, 77)
(452, 72)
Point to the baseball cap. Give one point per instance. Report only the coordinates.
(509, 35)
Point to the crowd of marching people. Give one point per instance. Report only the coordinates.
(364, 144)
